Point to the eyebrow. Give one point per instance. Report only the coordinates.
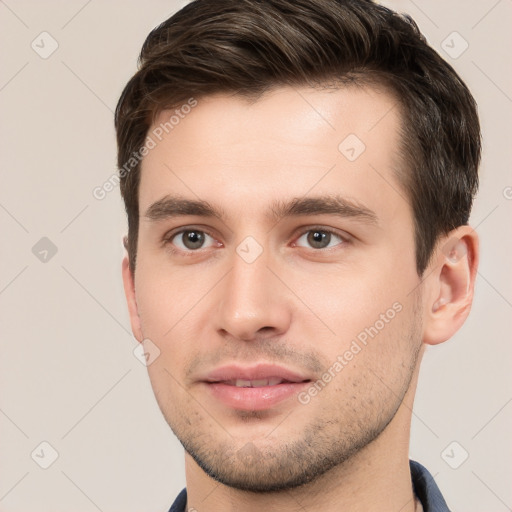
(174, 206)
(321, 205)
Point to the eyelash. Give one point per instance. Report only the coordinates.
(167, 239)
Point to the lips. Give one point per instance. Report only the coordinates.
(254, 374)
(256, 388)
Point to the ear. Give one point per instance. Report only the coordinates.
(129, 291)
(450, 285)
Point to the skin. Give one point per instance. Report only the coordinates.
(296, 305)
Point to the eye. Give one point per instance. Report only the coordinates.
(319, 239)
(191, 240)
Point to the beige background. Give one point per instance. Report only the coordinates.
(67, 372)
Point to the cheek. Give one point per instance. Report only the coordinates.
(168, 300)
(154, 310)
(377, 358)
(347, 300)
(374, 325)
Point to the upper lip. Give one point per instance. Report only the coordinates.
(260, 371)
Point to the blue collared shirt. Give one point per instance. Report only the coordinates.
(423, 484)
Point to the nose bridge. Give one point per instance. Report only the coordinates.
(248, 280)
(251, 299)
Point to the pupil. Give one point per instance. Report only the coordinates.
(319, 239)
(193, 239)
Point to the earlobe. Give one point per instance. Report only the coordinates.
(129, 291)
(449, 293)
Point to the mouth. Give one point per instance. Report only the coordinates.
(256, 383)
(254, 389)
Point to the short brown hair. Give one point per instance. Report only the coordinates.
(248, 47)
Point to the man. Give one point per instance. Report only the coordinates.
(298, 177)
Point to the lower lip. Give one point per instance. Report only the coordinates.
(254, 399)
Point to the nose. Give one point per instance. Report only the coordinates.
(253, 302)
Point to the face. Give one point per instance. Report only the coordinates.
(276, 276)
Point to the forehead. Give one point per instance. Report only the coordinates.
(290, 142)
